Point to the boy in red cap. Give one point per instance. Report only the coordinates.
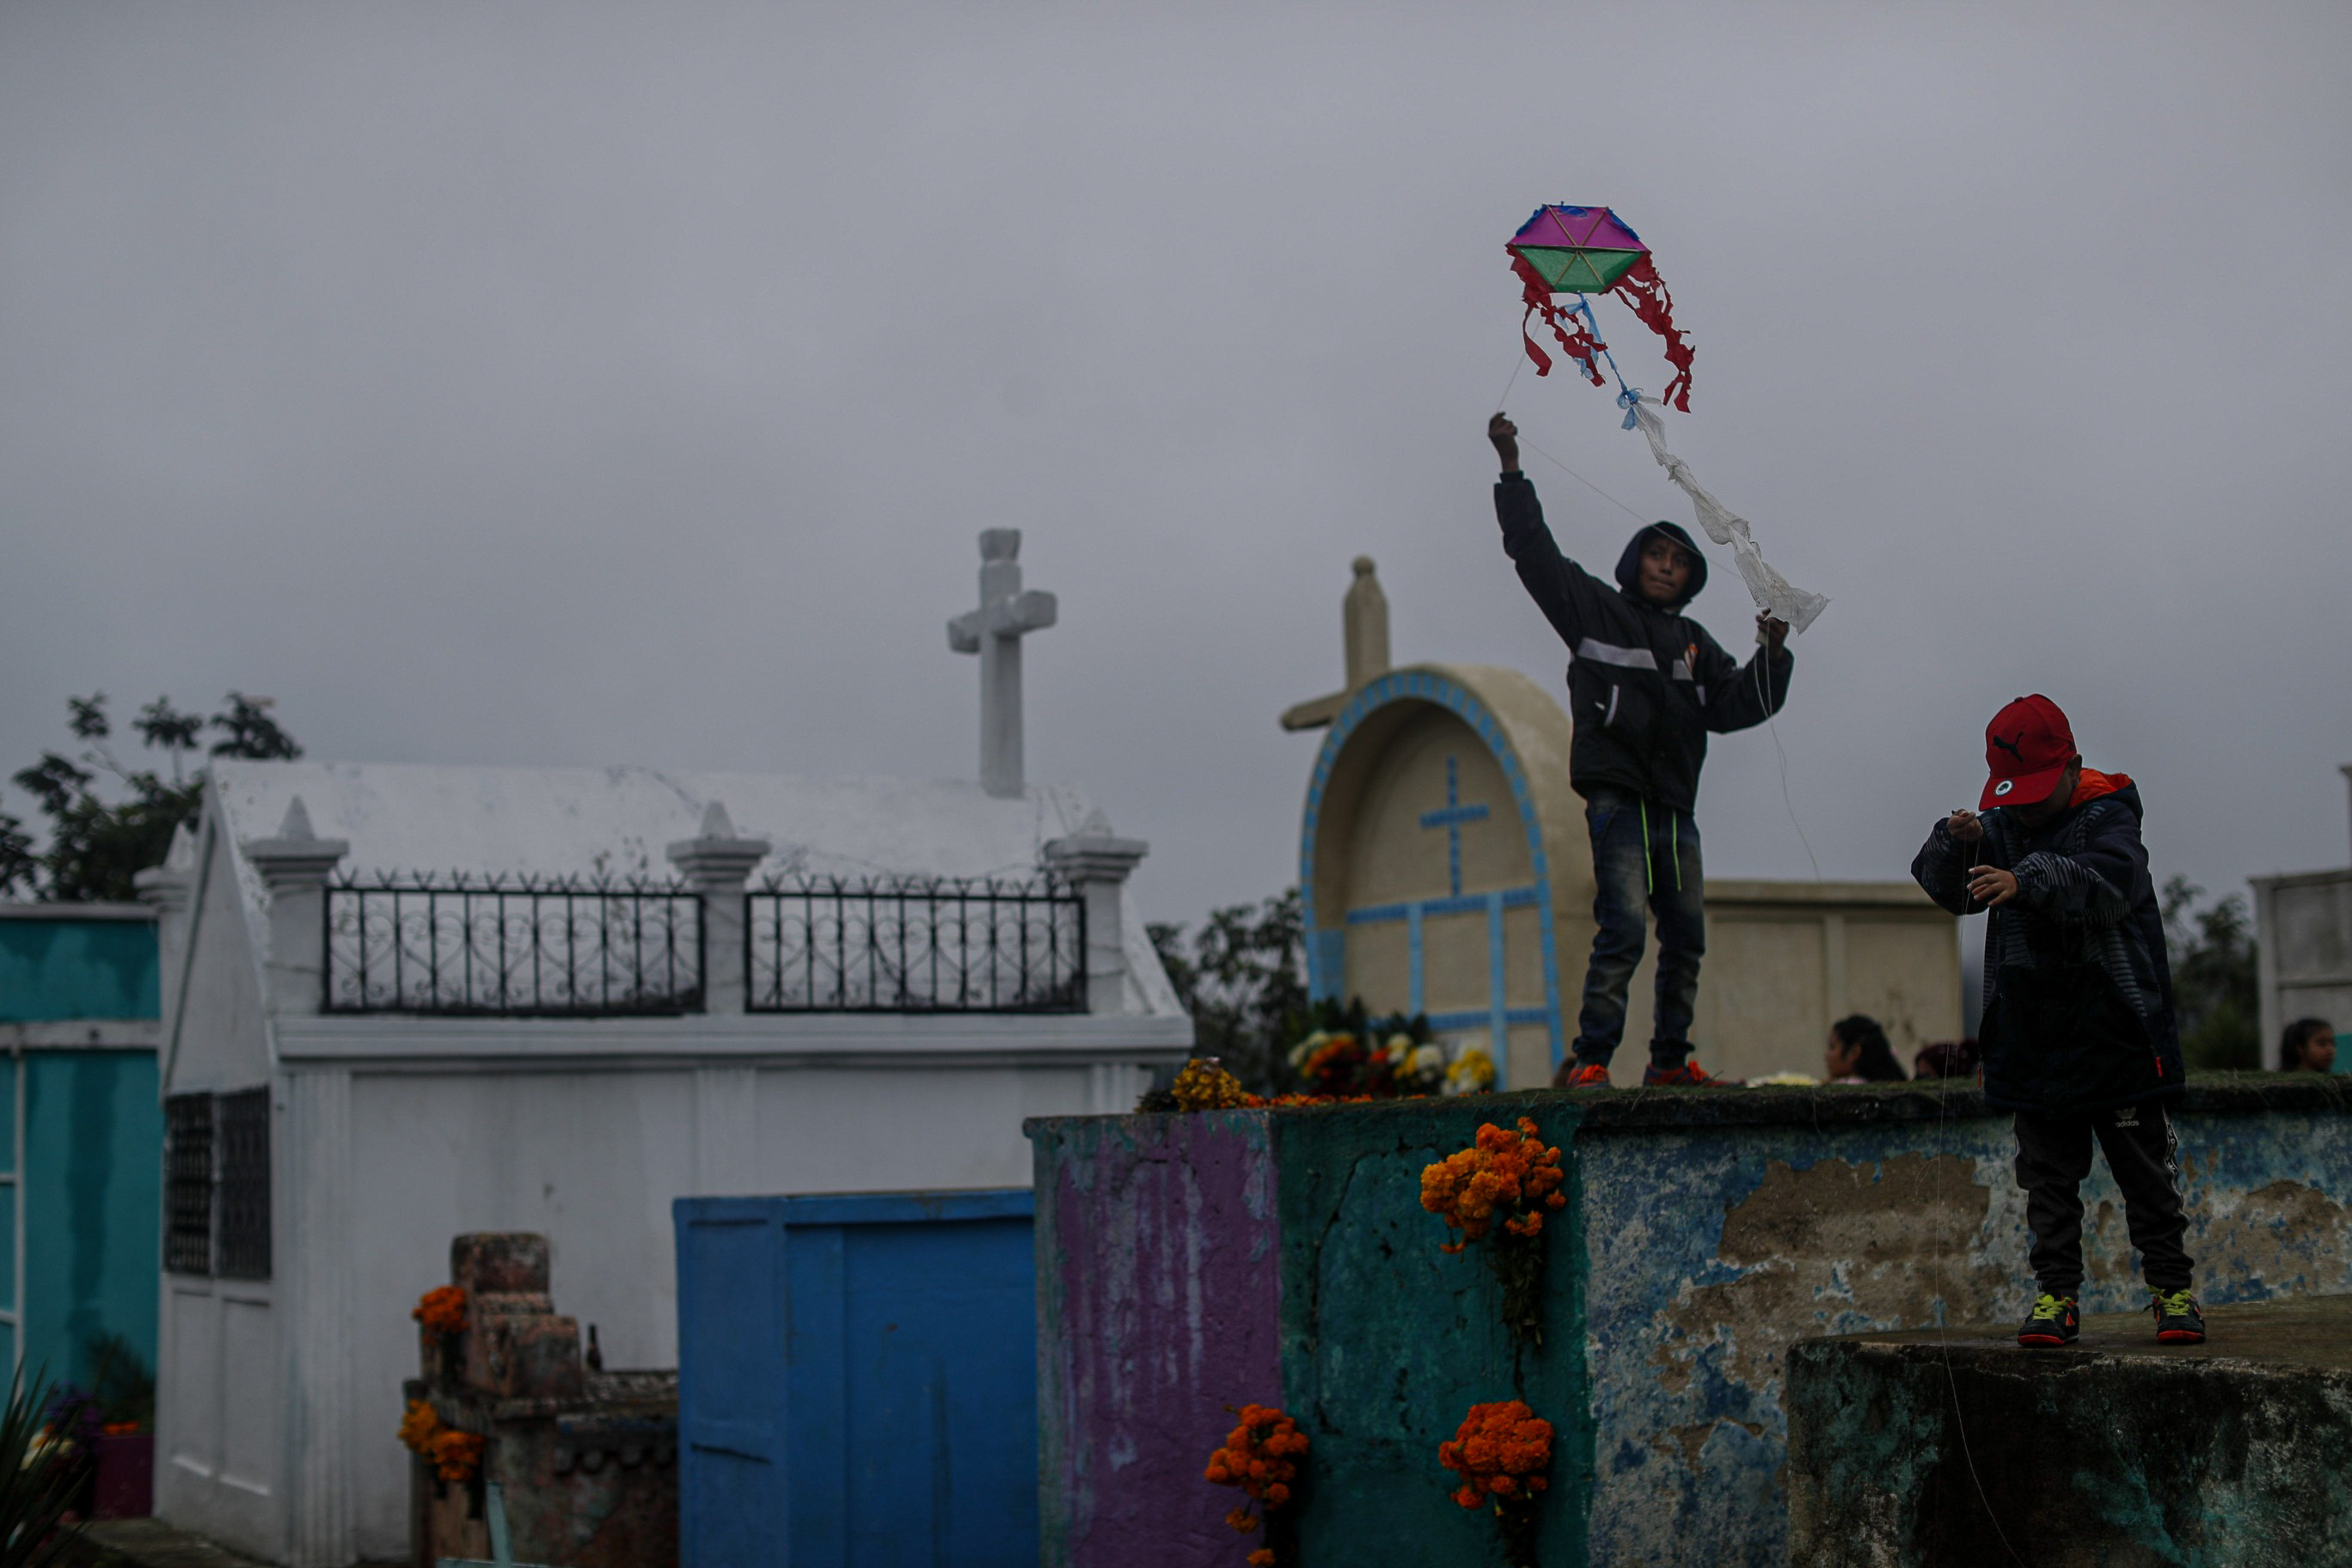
(2078, 1035)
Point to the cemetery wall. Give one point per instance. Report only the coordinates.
(1705, 1232)
(79, 1135)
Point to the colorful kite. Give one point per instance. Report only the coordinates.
(1566, 250)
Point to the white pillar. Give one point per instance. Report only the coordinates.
(718, 862)
(313, 1248)
(1097, 864)
(295, 866)
(995, 631)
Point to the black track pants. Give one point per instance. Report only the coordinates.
(2053, 1155)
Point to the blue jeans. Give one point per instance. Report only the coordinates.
(1644, 854)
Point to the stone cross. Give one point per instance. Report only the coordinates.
(995, 631)
(1364, 629)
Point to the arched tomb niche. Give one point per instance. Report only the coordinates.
(1444, 864)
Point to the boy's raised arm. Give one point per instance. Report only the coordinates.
(1552, 580)
(1739, 696)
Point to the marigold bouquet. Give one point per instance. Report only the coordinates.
(1506, 1177)
(455, 1456)
(1205, 1085)
(1260, 1456)
(442, 1309)
(1507, 1174)
(1501, 1452)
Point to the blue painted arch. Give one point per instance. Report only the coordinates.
(1326, 941)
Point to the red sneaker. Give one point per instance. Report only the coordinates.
(1690, 1074)
(1583, 1075)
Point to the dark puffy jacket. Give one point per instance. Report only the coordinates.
(1645, 683)
(2078, 1010)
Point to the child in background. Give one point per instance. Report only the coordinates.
(2308, 1045)
(2078, 1034)
(1858, 1053)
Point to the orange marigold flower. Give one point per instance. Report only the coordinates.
(442, 1309)
(1262, 1558)
(1259, 1457)
(456, 1455)
(1500, 1450)
(417, 1426)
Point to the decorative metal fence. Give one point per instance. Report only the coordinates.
(884, 944)
(188, 1183)
(241, 1155)
(562, 948)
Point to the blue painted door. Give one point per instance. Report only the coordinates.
(857, 1380)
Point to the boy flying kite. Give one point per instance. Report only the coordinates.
(2078, 1032)
(1645, 686)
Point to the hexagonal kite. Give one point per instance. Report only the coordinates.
(1565, 249)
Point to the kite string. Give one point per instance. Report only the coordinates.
(1518, 361)
(1580, 480)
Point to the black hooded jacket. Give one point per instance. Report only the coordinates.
(1645, 683)
(2078, 1009)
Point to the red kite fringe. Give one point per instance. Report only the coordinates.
(1643, 288)
(1580, 343)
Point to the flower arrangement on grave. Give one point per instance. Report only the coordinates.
(442, 1309)
(1205, 1085)
(1498, 1191)
(455, 1456)
(1501, 1452)
(1471, 1072)
(1260, 1456)
(1352, 1054)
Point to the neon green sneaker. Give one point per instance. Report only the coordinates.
(2177, 1321)
(2054, 1321)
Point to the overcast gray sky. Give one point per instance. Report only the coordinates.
(563, 383)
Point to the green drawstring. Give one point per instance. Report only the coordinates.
(1673, 842)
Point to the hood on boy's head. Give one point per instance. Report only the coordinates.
(1628, 565)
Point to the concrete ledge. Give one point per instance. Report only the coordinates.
(1914, 1449)
(1933, 1100)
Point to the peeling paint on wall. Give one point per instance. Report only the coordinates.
(1705, 1233)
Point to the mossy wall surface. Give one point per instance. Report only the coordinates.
(1905, 1453)
(1387, 1341)
(1707, 1232)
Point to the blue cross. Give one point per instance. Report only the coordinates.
(1451, 819)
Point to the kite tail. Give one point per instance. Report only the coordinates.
(1581, 344)
(1643, 288)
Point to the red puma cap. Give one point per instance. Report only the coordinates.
(2027, 747)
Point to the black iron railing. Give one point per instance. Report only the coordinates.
(888, 944)
(241, 1162)
(188, 1183)
(525, 947)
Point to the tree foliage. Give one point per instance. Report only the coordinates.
(2214, 990)
(1242, 978)
(107, 821)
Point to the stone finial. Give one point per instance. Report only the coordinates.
(1364, 637)
(165, 886)
(718, 857)
(1000, 545)
(297, 856)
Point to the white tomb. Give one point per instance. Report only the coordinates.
(402, 1003)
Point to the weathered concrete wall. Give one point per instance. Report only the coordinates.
(1910, 1453)
(1707, 1232)
(1157, 1245)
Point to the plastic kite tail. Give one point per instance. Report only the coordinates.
(1565, 249)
